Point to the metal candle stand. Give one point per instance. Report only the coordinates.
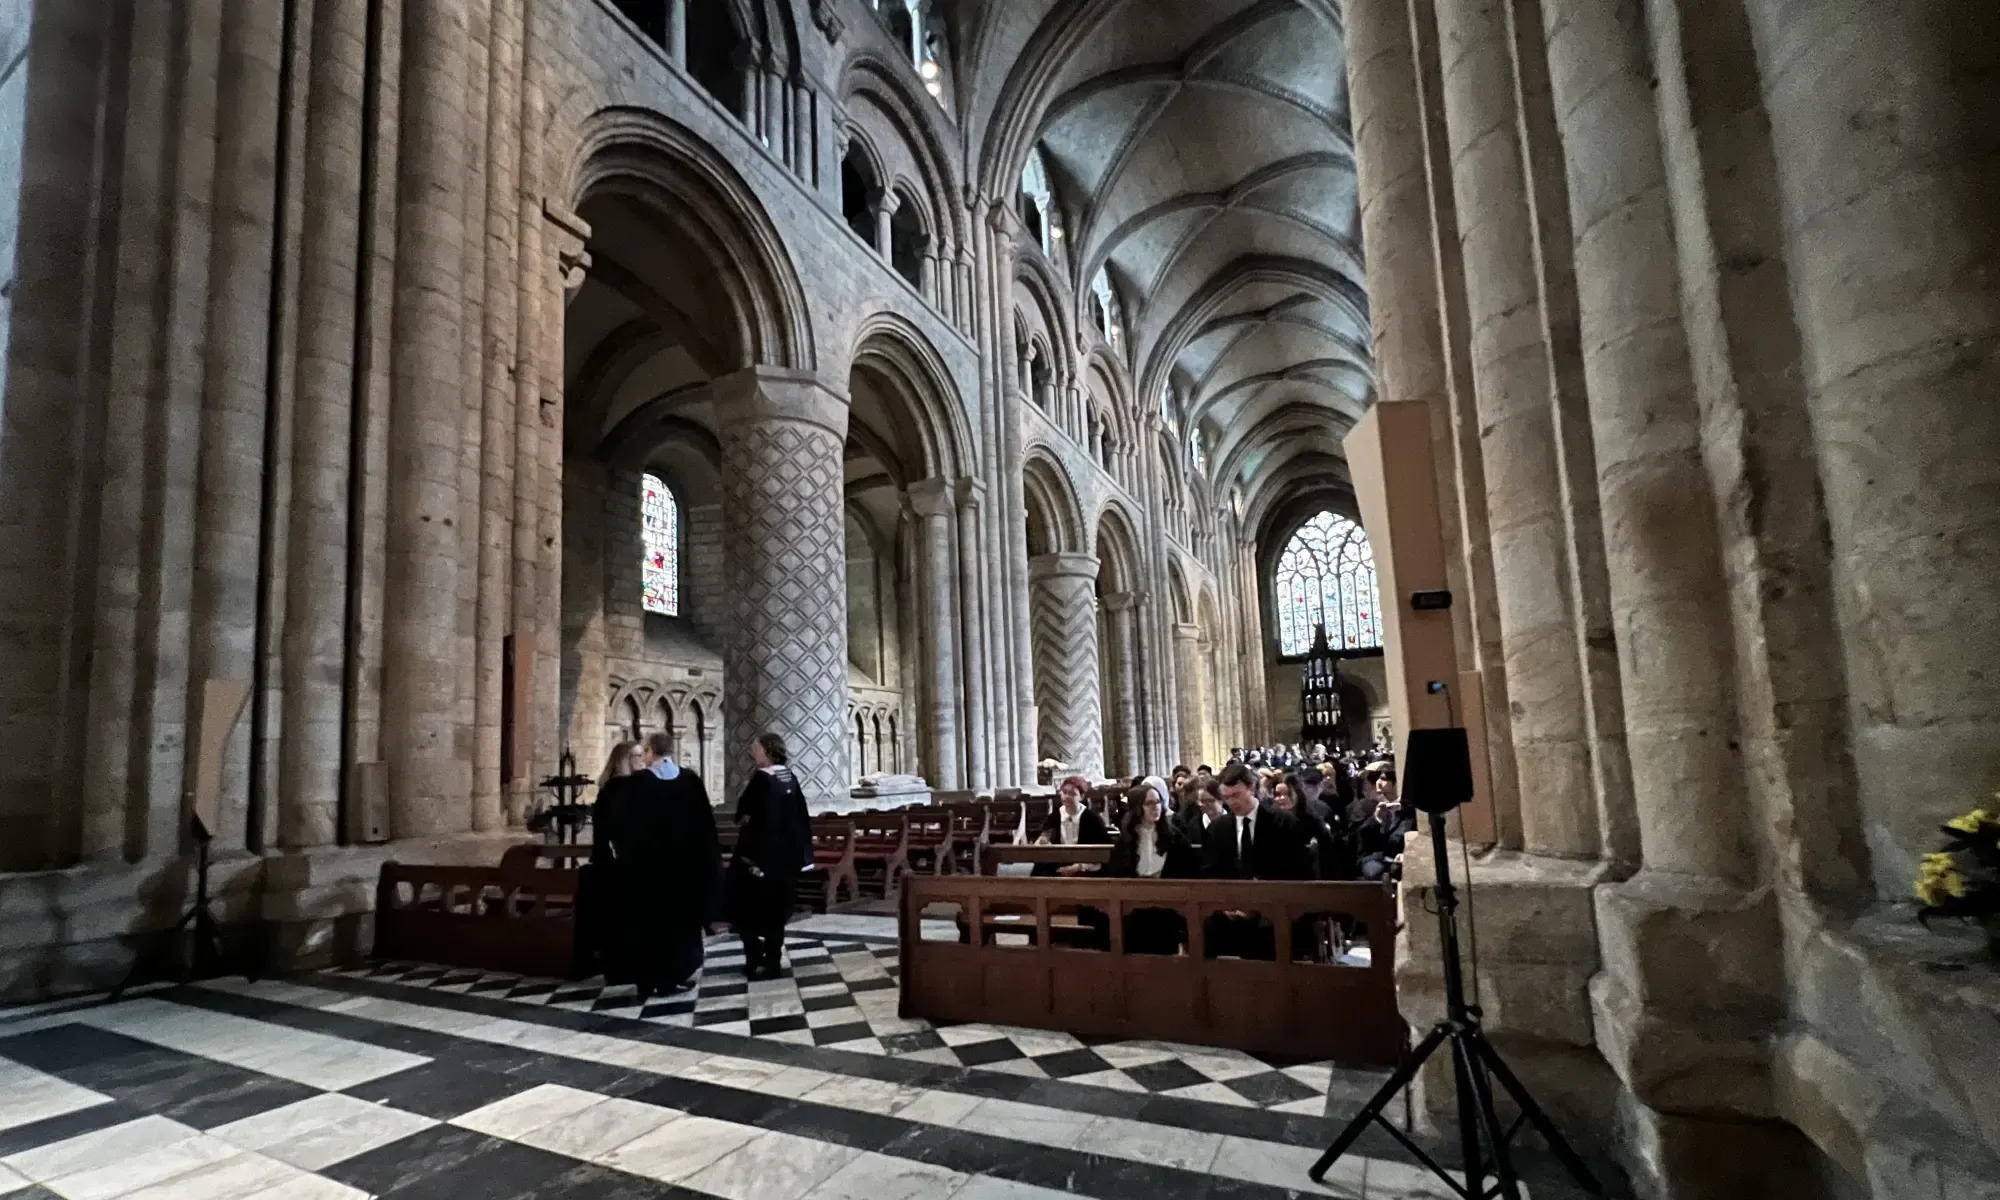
(568, 812)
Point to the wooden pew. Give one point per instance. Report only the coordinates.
(1076, 973)
(929, 839)
(1061, 856)
(881, 848)
(833, 865)
(518, 916)
(969, 830)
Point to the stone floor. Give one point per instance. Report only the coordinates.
(413, 1082)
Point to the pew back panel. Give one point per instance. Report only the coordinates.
(1097, 984)
(509, 918)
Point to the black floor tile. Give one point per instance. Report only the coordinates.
(870, 985)
(1166, 1076)
(1270, 1089)
(61, 1048)
(446, 1162)
(910, 1043)
(823, 1003)
(979, 1054)
(827, 1035)
(763, 1025)
(441, 1090)
(846, 1127)
(1071, 1062)
(721, 1016)
(741, 1108)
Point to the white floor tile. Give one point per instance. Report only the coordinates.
(1117, 1081)
(237, 1176)
(880, 1177)
(985, 1187)
(1031, 1123)
(107, 1177)
(679, 1149)
(772, 1165)
(864, 1095)
(12, 1180)
(320, 1131)
(1282, 1166)
(87, 1150)
(524, 1112)
(1187, 1149)
(314, 1059)
(28, 1095)
(600, 1129)
(1017, 1066)
(1214, 1093)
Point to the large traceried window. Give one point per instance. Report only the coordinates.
(1326, 576)
(1197, 452)
(660, 529)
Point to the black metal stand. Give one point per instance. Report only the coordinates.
(1476, 1066)
(204, 958)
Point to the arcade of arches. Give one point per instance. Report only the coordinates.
(945, 384)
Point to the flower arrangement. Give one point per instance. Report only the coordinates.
(1963, 879)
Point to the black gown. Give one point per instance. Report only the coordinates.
(656, 838)
(773, 844)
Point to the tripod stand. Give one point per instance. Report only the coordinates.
(203, 959)
(1476, 1066)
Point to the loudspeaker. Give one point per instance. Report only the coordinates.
(368, 803)
(1436, 770)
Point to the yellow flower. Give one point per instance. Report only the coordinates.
(1972, 822)
(1938, 880)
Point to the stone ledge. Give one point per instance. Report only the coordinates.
(77, 929)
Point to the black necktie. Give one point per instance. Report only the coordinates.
(1246, 843)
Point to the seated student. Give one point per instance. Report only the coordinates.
(1378, 841)
(1201, 809)
(1332, 855)
(1150, 845)
(1250, 842)
(1071, 823)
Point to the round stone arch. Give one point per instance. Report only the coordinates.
(894, 353)
(920, 124)
(1036, 277)
(1116, 545)
(1055, 518)
(696, 197)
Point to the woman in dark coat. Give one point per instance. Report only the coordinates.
(655, 832)
(773, 844)
(1151, 846)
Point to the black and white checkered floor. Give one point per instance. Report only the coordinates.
(349, 1086)
(840, 991)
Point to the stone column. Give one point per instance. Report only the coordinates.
(429, 785)
(933, 505)
(972, 620)
(1187, 687)
(1881, 119)
(1027, 741)
(785, 659)
(885, 212)
(677, 32)
(1121, 622)
(1514, 378)
(314, 644)
(1063, 592)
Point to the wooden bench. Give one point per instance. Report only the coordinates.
(1062, 856)
(833, 865)
(970, 822)
(1071, 969)
(881, 848)
(519, 916)
(929, 839)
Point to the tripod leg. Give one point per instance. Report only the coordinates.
(1558, 1145)
(1463, 1069)
(1378, 1102)
(1482, 1095)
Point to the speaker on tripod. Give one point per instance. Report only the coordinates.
(1437, 778)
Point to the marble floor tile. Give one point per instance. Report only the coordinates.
(12, 1180)
(1183, 1149)
(28, 1095)
(79, 1153)
(986, 1187)
(879, 1177)
(1045, 1127)
(679, 1149)
(107, 1177)
(321, 1131)
(600, 1129)
(525, 1112)
(1282, 1166)
(239, 1175)
(301, 1056)
(944, 1109)
(772, 1165)
(864, 1095)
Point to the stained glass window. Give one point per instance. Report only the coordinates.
(660, 528)
(1197, 453)
(1327, 576)
(1110, 317)
(1041, 197)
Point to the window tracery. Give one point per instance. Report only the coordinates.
(1326, 576)
(1110, 316)
(660, 533)
(1038, 203)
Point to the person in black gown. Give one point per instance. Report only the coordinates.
(655, 833)
(773, 844)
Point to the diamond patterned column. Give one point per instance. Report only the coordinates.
(785, 654)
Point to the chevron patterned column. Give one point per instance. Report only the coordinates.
(785, 655)
(1063, 599)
